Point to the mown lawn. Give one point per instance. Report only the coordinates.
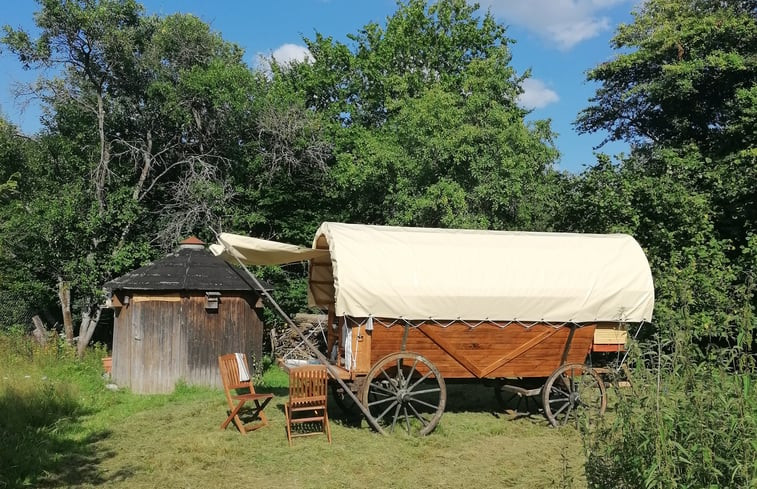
(61, 428)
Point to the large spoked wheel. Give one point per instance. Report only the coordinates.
(574, 392)
(405, 390)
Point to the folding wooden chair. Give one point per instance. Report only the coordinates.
(308, 388)
(235, 375)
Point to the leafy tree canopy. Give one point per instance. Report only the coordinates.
(682, 91)
(426, 127)
(686, 73)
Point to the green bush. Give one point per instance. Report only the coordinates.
(688, 421)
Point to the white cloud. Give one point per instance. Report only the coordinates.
(536, 94)
(285, 55)
(565, 22)
(289, 53)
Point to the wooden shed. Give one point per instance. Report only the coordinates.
(175, 316)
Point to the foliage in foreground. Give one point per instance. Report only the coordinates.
(682, 424)
(44, 391)
(55, 410)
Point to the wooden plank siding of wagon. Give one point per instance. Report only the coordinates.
(488, 350)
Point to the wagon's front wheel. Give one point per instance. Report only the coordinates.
(405, 390)
(573, 392)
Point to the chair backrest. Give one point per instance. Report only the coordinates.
(229, 368)
(308, 384)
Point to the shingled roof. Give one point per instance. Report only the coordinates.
(191, 267)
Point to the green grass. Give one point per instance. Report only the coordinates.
(67, 430)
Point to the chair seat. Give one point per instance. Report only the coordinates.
(311, 419)
(307, 400)
(309, 407)
(251, 397)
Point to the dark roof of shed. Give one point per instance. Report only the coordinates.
(188, 268)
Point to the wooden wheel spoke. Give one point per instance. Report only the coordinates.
(381, 416)
(412, 370)
(400, 374)
(425, 391)
(407, 418)
(427, 375)
(565, 405)
(394, 418)
(418, 415)
(560, 391)
(386, 376)
(381, 401)
(566, 384)
(432, 406)
(570, 409)
(380, 387)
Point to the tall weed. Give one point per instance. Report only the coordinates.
(688, 421)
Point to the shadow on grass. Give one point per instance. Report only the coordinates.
(42, 440)
(276, 391)
(462, 397)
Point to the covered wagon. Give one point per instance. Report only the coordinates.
(409, 308)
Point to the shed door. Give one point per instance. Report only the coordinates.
(156, 333)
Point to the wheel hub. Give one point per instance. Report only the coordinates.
(402, 394)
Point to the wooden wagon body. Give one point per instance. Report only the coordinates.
(460, 351)
(409, 306)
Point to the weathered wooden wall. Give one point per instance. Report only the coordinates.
(162, 339)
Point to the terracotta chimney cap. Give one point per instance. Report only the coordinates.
(192, 243)
(193, 240)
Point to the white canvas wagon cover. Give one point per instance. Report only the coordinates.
(448, 274)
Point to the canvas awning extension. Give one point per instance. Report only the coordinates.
(449, 274)
(254, 251)
(233, 255)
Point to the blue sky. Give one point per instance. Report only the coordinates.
(557, 39)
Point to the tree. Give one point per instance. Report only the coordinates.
(687, 74)
(164, 99)
(425, 122)
(20, 293)
(682, 92)
(154, 129)
(693, 275)
(687, 79)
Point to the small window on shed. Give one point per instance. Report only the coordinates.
(212, 299)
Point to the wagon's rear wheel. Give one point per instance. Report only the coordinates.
(405, 391)
(574, 392)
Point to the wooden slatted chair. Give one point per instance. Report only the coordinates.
(308, 389)
(230, 366)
